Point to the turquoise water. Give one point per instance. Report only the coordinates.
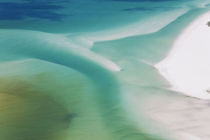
(79, 70)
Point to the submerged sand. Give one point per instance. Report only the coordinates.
(184, 117)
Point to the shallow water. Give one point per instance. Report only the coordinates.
(79, 70)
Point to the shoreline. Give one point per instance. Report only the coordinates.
(187, 65)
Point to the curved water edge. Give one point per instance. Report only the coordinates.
(111, 69)
(144, 27)
(48, 44)
(58, 50)
(187, 65)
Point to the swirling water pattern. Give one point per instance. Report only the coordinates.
(71, 69)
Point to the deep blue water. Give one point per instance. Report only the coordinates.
(80, 15)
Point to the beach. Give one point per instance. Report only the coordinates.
(187, 66)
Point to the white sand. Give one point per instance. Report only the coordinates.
(187, 66)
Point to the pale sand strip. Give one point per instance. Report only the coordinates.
(187, 66)
(185, 118)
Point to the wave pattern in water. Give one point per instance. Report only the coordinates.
(88, 82)
(46, 47)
